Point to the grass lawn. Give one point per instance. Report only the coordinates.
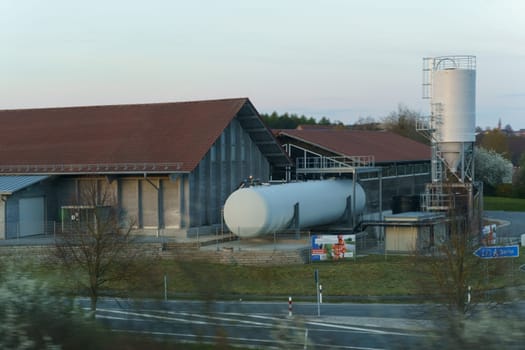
(373, 275)
(504, 203)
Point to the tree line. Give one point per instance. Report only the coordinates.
(292, 121)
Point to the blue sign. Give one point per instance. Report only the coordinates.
(496, 252)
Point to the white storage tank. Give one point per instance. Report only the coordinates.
(454, 102)
(253, 211)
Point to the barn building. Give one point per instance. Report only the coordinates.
(169, 165)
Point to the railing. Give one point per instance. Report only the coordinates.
(437, 201)
(406, 170)
(334, 162)
(454, 62)
(48, 228)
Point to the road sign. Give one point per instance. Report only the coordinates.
(497, 252)
(522, 268)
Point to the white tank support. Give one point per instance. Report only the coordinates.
(258, 210)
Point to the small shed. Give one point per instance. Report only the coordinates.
(414, 231)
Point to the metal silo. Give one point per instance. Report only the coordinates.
(450, 84)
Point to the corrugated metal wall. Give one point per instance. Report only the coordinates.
(231, 159)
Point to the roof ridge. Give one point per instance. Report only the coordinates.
(243, 99)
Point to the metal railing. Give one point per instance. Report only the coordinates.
(48, 228)
(323, 162)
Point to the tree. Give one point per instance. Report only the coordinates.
(403, 122)
(519, 179)
(98, 246)
(491, 167)
(451, 265)
(32, 316)
(292, 121)
(497, 141)
(367, 123)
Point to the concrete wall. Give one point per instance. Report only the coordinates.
(252, 258)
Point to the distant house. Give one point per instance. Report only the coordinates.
(170, 165)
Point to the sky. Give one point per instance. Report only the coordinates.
(342, 59)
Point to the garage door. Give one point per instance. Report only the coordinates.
(31, 213)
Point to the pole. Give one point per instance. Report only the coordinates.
(165, 287)
(316, 277)
(289, 306)
(469, 290)
(320, 294)
(305, 339)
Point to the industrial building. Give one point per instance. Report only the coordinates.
(171, 166)
(180, 168)
(428, 188)
(402, 164)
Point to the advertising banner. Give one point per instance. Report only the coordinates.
(333, 247)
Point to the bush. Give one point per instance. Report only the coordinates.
(31, 317)
(504, 190)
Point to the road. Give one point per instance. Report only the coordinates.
(268, 324)
(513, 223)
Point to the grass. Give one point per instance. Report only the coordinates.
(504, 203)
(374, 275)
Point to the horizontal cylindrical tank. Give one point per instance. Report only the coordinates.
(253, 211)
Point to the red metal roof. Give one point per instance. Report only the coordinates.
(383, 145)
(118, 138)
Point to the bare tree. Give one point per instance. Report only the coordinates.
(403, 122)
(450, 268)
(98, 246)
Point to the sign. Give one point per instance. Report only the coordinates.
(488, 234)
(497, 252)
(522, 268)
(333, 247)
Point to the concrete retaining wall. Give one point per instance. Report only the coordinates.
(184, 253)
(242, 257)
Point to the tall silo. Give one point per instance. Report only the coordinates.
(450, 84)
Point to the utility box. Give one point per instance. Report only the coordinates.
(411, 232)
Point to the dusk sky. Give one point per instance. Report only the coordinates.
(334, 58)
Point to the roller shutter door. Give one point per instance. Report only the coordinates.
(31, 213)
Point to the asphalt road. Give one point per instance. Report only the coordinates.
(269, 324)
(513, 223)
